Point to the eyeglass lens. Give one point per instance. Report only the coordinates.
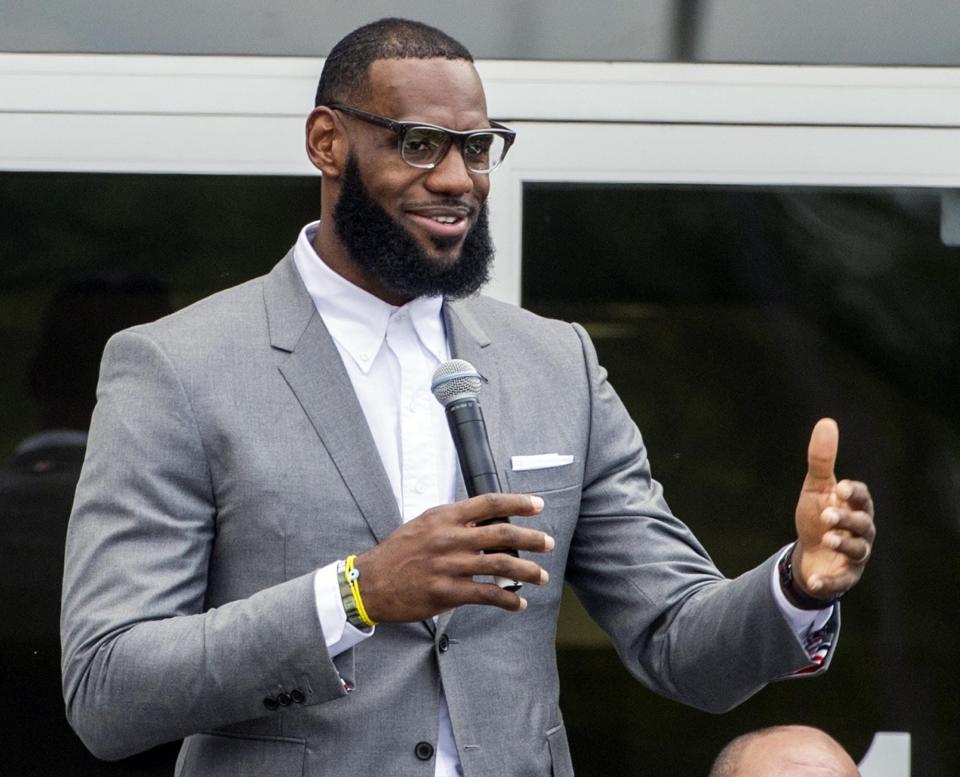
(426, 146)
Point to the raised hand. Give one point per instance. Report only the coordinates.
(427, 565)
(835, 528)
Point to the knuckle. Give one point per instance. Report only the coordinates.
(446, 541)
(504, 533)
(434, 514)
(493, 501)
(492, 563)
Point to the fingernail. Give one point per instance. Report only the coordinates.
(537, 502)
(544, 577)
(816, 585)
(834, 541)
(523, 603)
(844, 490)
(548, 542)
(831, 517)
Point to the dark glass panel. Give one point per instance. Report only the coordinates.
(82, 256)
(730, 319)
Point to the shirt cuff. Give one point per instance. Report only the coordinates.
(803, 622)
(339, 635)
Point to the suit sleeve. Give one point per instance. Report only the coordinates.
(679, 626)
(144, 660)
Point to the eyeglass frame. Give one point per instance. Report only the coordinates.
(402, 127)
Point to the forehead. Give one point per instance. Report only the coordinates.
(447, 92)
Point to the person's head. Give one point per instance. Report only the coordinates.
(403, 210)
(784, 751)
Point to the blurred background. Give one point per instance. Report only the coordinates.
(743, 270)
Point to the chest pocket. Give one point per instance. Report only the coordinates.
(546, 480)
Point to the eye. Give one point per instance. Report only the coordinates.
(478, 145)
(422, 140)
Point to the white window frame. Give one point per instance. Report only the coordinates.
(582, 122)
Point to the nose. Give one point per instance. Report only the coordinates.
(451, 176)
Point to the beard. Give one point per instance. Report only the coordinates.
(388, 253)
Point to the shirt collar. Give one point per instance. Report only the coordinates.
(356, 319)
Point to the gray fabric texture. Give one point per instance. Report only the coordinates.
(229, 458)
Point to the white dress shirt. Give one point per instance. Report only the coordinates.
(390, 354)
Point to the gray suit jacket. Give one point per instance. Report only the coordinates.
(229, 458)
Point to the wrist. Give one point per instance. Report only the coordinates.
(348, 578)
(792, 588)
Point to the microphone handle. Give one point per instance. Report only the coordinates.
(469, 432)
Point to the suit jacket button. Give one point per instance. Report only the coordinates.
(270, 703)
(284, 699)
(423, 751)
(298, 696)
(443, 645)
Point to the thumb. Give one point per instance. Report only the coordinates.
(822, 455)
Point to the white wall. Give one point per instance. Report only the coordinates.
(920, 32)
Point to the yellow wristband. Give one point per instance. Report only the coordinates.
(352, 574)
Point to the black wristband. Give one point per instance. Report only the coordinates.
(792, 592)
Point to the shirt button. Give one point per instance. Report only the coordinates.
(284, 700)
(423, 751)
(270, 703)
(298, 696)
(364, 356)
(419, 488)
(443, 645)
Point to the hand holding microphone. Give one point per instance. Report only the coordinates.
(427, 566)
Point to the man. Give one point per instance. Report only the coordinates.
(267, 477)
(784, 751)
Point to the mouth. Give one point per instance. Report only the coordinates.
(443, 223)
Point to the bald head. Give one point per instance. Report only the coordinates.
(784, 751)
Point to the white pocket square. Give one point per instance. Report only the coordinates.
(540, 461)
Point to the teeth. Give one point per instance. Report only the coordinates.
(445, 219)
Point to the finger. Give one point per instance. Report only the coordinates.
(500, 565)
(855, 494)
(856, 522)
(471, 592)
(508, 535)
(857, 549)
(822, 455)
(486, 506)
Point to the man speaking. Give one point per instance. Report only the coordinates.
(270, 552)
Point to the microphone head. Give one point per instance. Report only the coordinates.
(454, 380)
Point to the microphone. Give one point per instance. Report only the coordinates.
(456, 385)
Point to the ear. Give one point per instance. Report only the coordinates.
(326, 142)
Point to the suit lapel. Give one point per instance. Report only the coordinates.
(311, 365)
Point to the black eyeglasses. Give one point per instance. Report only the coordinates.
(425, 145)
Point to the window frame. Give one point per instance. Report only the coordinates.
(691, 124)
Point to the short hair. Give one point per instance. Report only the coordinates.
(345, 72)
